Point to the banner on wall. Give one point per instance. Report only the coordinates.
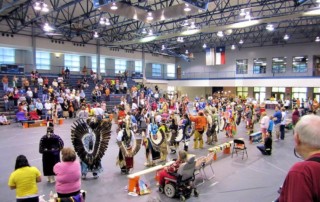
(221, 55)
(210, 56)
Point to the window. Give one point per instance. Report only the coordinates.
(7, 56)
(43, 60)
(259, 65)
(300, 93)
(279, 64)
(260, 93)
(138, 66)
(72, 62)
(242, 92)
(242, 66)
(102, 64)
(120, 65)
(316, 90)
(156, 70)
(278, 89)
(171, 70)
(300, 64)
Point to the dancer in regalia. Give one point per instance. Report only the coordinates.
(128, 147)
(151, 153)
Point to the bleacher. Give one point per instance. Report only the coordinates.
(71, 83)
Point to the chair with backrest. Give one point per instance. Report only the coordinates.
(199, 167)
(239, 146)
(208, 163)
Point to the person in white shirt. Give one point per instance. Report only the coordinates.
(286, 104)
(98, 112)
(134, 106)
(3, 120)
(40, 81)
(48, 108)
(283, 123)
(264, 124)
(83, 113)
(55, 84)
(60, 80)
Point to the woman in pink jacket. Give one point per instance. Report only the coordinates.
(68, 174)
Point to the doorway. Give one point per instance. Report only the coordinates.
(316, 62)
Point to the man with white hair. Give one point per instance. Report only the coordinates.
(302, 181)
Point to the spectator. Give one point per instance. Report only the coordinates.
(84, 71)
(24, 180)
(15, 81)
(39, 107)
(266, 148)
(6, 102)
(283, 123)
(68, 174)
(67, 71)
(277, 117)
(4, 120)
(302, 181)
(5, 82)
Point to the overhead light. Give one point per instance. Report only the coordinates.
(163, 47)
(96, 35)
(204, 46)
(41, 6)
(150, 33)
(185, 23)
(270, 27)
(241, 41)
(286, 37)
(47, 27)
(228, 32)
(247, 16)
(192, 26)
(180, 39)
(220, 34)
(312, 12)
(187, 8)
(242, 12)
(233, 47)
(187, 52)
(148, 39)
(104, 21)
(114, 6)
(149, 17)
(317, 39)
(144, 31)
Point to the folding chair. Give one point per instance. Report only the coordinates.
(198, 167)
(208, 162)
(239, 146)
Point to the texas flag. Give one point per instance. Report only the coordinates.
(220, 55)
(210, 56)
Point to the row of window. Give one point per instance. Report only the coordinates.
(279, 65)
(43, 62)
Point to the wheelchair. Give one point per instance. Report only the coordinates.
(183, 186)
(77, 198)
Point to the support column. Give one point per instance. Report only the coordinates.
(33, 44)
(98, 58)
(143, 61)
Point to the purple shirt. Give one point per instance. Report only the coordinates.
(68, 177)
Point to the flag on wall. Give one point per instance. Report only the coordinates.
(210, 56)
(221, 55)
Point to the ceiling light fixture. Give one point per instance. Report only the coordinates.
(96, 35)
(185, 23)
(180, 39)
(163, 47)
(187, 52)
(241, 41)
(220, 34)
(47, 27)
(41, 6)
(144, 31)
(104, 21)
(242, 12)
(150, 33)
(247, 16)
(233, 47)
(270, 27)
(317, 39)
(286, 37)
(149, 17)
(187, 8)
(192, 26)
(114, 6)
(204, 46)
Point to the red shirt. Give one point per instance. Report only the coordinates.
(302, 183)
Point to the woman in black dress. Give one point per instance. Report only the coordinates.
(50, 146)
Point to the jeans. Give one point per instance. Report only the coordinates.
(282, 131)
(263, 150)
(32, 199)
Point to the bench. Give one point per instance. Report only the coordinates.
(225, 147)
(38, 123)
(133, 179)
(255, 137)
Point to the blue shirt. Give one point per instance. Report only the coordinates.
(277, 115)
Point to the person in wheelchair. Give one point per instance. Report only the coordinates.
(168, 172)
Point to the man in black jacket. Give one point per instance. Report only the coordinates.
(267, 147)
